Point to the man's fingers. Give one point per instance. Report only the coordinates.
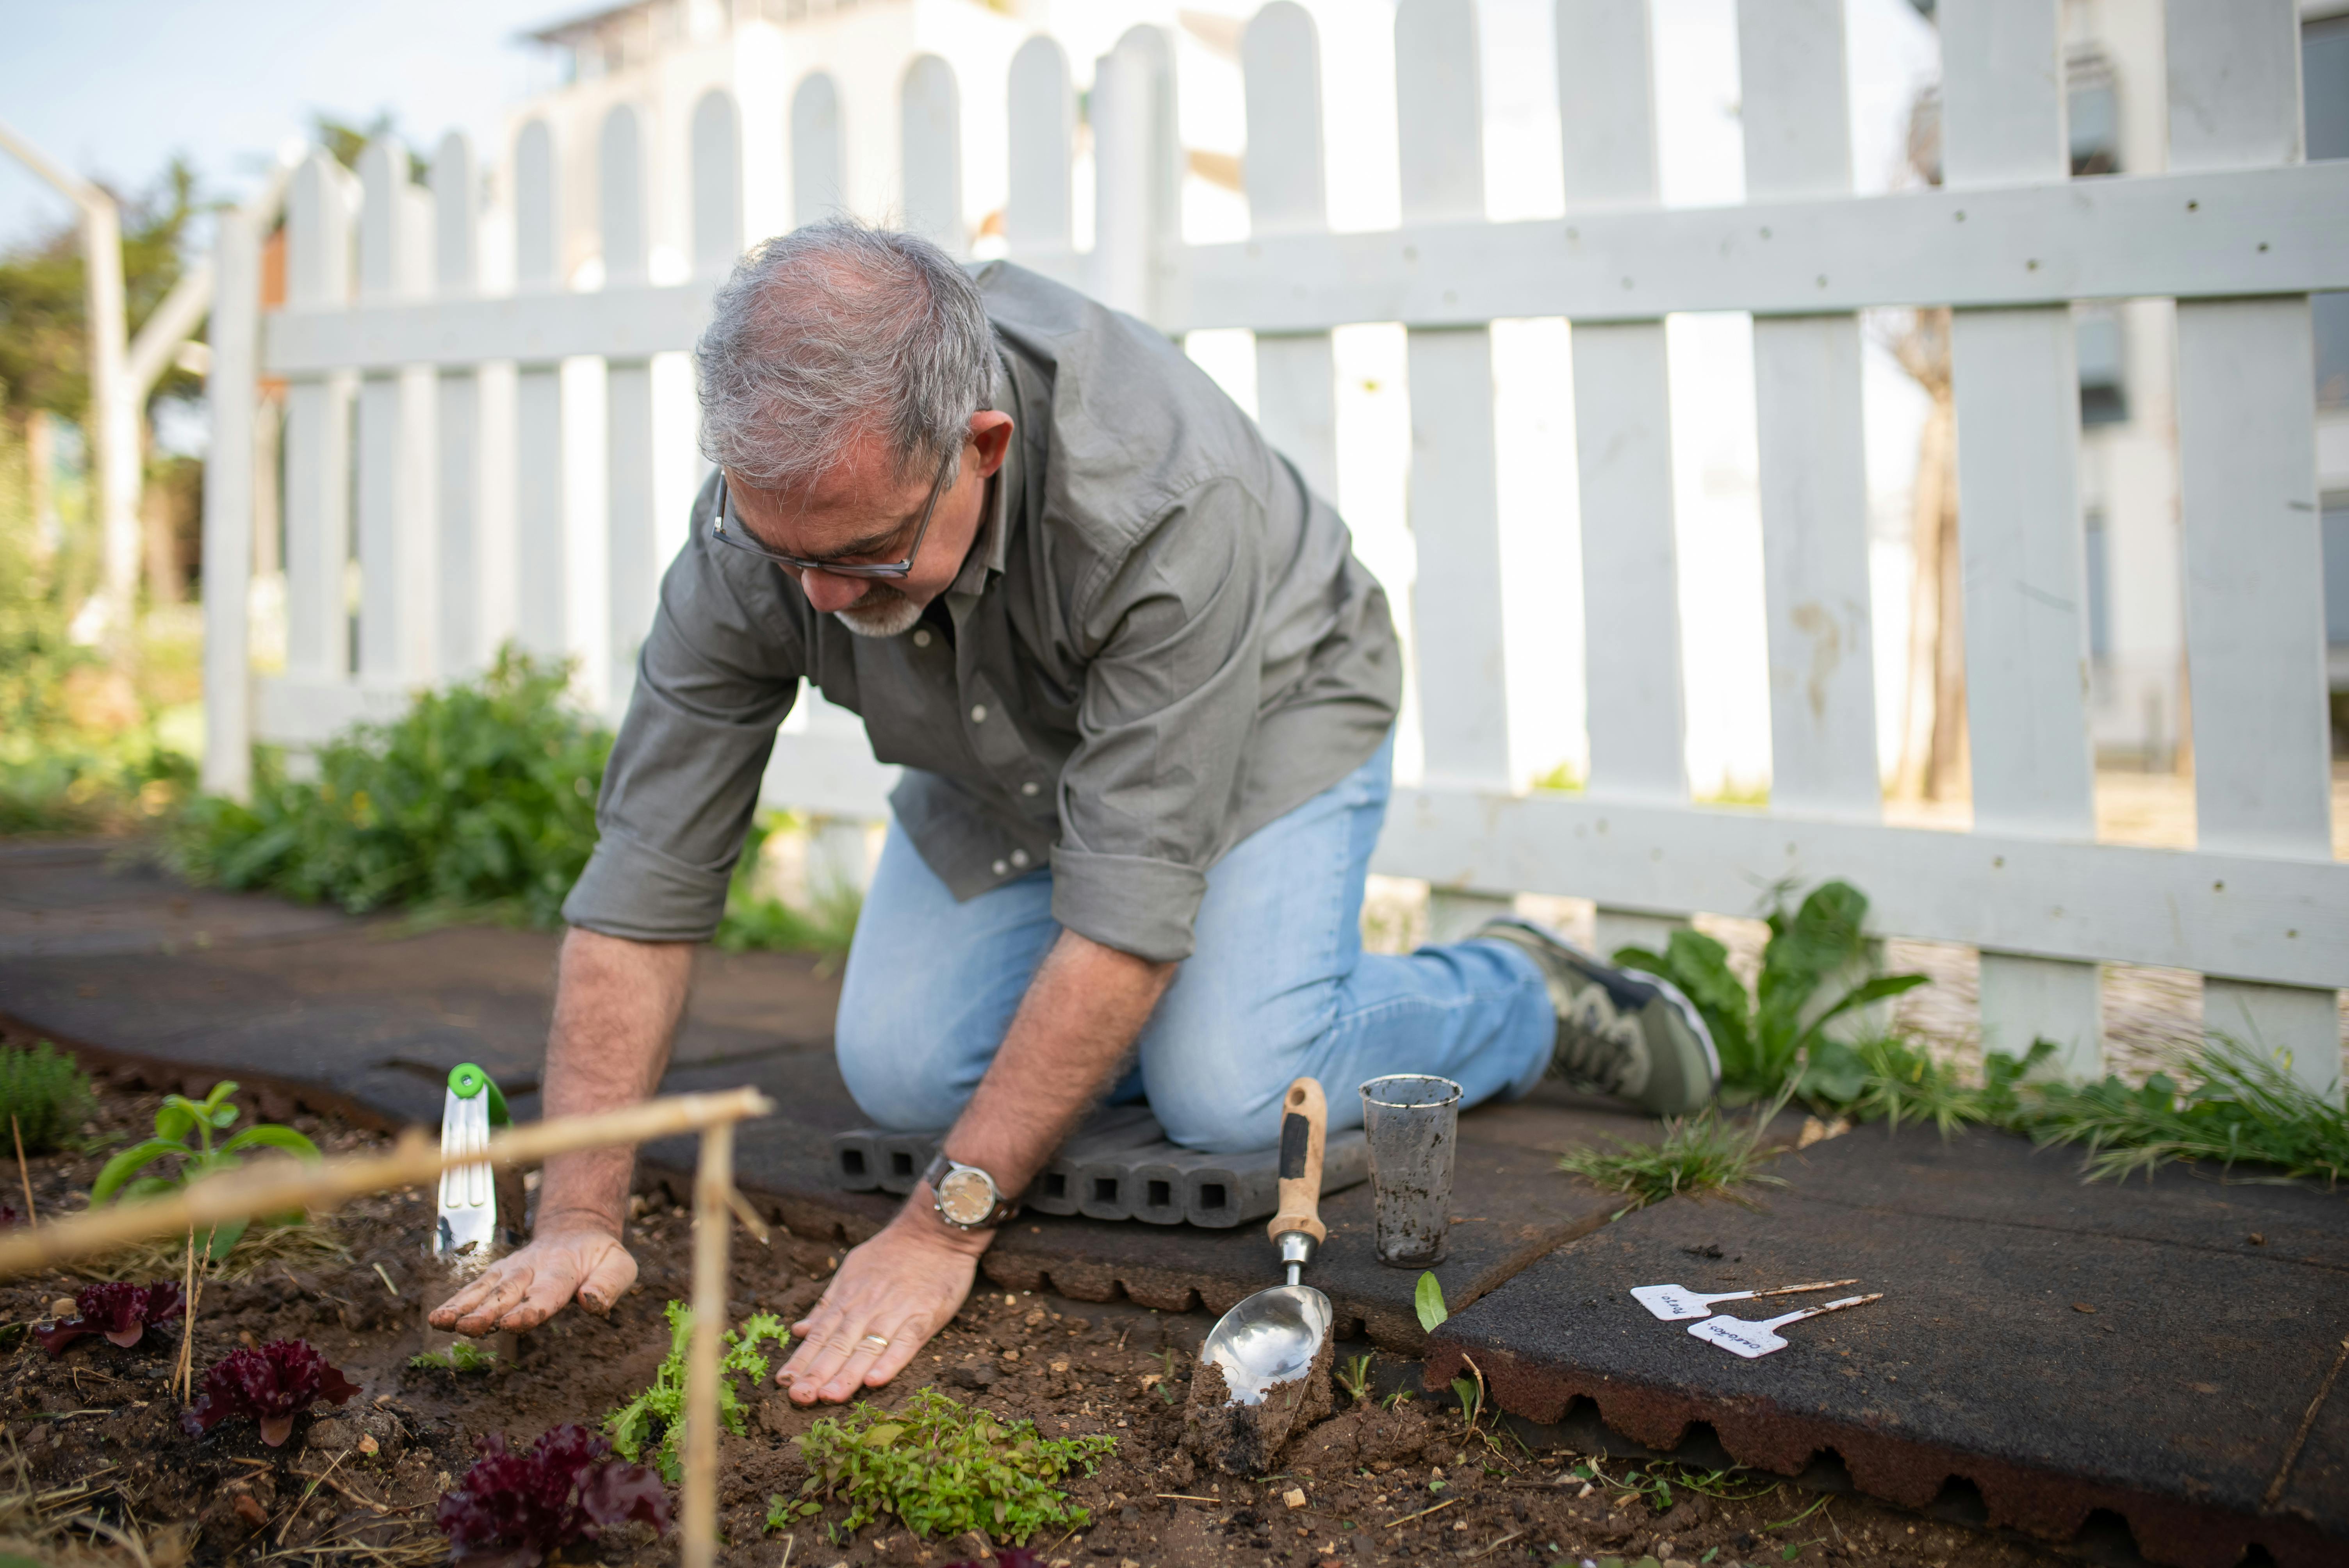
(609, 1280)
(905, 1340)
(550, 1288)
(506, 1289)
(446, 1314)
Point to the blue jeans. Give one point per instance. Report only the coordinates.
(1279, 987)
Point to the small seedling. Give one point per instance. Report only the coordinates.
(1356, 1377)
(462, 1356)
(273, 1384)
(943, 1469)
(518, 1509)
(179, 1121)
(1165, 1358)
(1397, 1397)
(1428, 1300)
(781, 1511)
(656, 1412)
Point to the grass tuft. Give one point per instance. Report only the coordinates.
(1710, 1153)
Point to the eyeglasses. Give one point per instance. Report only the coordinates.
(727, 529)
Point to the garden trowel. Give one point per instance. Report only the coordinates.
(467, 1227)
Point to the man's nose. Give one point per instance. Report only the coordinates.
(827, 594)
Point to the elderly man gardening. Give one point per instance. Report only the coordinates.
(1144, 694)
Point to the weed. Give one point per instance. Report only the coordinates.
(1777, 1035)
(1470, 1391)
(1397, 1397)
(462, 1356)
(1427, 1300)
(1164, 1383)
(45, 1093)
(1355, 1378)
(781, 1511)
(656, 1412)
(942, 1468)
(2241, 1108)
(1705, 1154)
(177, 1121)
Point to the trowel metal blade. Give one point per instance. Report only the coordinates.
(469, 1203)
(1268, 1340)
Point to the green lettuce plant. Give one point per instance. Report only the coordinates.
(653, 1417)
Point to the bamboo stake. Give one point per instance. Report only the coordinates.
(713, 1221)
(281, 1185)
(23, 1173)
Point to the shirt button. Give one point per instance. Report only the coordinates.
(1029, 788)
(922, 637)
(1019, 857)
(978, 713)
(1001, 868)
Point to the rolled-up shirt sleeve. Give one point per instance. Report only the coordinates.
(716, 673)
(1164, 724)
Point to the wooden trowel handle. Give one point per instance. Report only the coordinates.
(1304, 1124)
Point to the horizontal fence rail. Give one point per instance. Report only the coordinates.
(396, 357)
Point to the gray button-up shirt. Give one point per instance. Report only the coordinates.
(1160, 641)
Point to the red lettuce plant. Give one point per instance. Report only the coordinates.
(1009, 1557)
(517, 1509)
(272, 1385)
(123, 1312)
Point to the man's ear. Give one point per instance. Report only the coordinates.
(991, 429)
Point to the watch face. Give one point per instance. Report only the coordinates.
(965, 1197)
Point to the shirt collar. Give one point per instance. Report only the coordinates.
(993, 546)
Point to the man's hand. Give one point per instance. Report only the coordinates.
(903, 1286)
(526, 1288)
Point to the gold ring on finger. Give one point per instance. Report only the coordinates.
(878, 1341)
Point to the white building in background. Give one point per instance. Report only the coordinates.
(819, 86)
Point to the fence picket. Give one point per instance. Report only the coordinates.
(2022, 549)
(228, 520)
(931, 103)
(623, 186)
(2255, 573)
(457, 418)
(317, 434)
(1043, 119)
(1136, 172)
(717, 175)
(542, 570)
(819, 165)
(396, 623)
(1296, 374)
(1813, 457)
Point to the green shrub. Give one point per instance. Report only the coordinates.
(481, 795)
(943, 1469)
(44, 1093)
(1777, 1033)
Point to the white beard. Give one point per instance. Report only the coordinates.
(892, 616)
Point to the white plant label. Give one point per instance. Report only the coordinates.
(1677, 1302)
(1741, 1337)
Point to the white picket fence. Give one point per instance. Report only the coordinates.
(386, 459)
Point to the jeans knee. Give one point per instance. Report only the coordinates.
(896, 1080)
(1214, 1103)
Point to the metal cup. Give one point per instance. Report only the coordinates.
(1412, 1123)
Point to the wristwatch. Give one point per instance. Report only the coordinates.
(965, 1196)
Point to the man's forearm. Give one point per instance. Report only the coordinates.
(1084, 1008)
(617, 1005)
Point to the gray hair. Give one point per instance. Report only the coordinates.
(832, 332)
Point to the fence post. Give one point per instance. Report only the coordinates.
(634, 570)
(317, 436)
(819, 180)
(2255, 573)
(456, 275)
(2022, 547)
(930, 118)
(1454, 500)
(1136, 182)
(1042, 115)
(1623, 445)
(231, 387)
(395, 500)
(542, 575)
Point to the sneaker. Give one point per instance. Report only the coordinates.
(1631, 1035)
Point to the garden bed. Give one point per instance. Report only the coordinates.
(96, 1435)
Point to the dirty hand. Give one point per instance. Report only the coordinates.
(901, 1287)
(526, 1288)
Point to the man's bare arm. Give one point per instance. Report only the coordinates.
(617, 1005)
(1086, 1007)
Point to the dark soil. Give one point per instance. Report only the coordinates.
(98, 1430)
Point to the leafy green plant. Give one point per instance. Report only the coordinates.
(2239, 1107)
(1707, 1153)
(1470, 1392)
(654, 1415)
(44, 1093)
(1427, 1300)
(1777, 1033)
(755, 919)
(184, 1129)
(943, 1468)
(1355, 1378)
(462, 1356)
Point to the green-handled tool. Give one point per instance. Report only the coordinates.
(469, 1198)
